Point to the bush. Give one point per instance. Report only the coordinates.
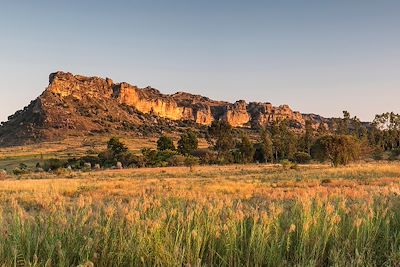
(378, 154)
(89, 159)
(191, 161)
(131, 160)
(286, 164)
(394, 154)
(177, 160)
(165, 155)
(54, 164)
(206, 156)
(165, 143)
(116, 147)
(18, 171)
(153, 158)
(301, 157)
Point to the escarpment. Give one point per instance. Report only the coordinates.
(78, 105)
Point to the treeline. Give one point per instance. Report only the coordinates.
(347, 140)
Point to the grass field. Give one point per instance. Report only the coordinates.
(11, 157)
(240, 215)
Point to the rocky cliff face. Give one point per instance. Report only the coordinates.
(74, 104)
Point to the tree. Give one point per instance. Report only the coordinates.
(284, 141)
(264, 149)
(221, 132)
(343, 124)
(387, 130)
(116, 147)
(165, 143)
(308, 137)
(187, 143)
(357, 127)
(338, 149)
(191, 161)
(246, 149)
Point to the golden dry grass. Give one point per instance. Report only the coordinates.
(269, 182)
(216, 215)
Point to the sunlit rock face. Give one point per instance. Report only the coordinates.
(79, 105)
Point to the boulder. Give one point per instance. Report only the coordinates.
(87, 165)
(118, 165)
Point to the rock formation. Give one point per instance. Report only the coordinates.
(78, 105)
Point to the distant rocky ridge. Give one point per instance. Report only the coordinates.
(78, 105)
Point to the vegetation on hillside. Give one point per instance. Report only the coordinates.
(278, 142)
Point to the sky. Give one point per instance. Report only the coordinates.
(319, 57)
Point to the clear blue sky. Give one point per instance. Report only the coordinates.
(317, 56)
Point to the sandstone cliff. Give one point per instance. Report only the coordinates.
(78, 105)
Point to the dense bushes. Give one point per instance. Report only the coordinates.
(301, 157)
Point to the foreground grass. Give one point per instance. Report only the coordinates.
(223, 216)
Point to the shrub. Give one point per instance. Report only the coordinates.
(394, 154)
(107, 158)
(131, 160)
(18, 171)
(165, 155)
(206, 156)
(176, 160)
(116, 147)
(54, 164)
(165, 143)
(23, 166)
(191, 161)
(93, 160)
(286, 164)
(153, 158)
(378, 153)
(301, 157)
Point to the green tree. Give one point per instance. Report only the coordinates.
(264, 148)
(191, 161)
(387, 125)
(284, 141)
(221, 136)
(246, 149)
(165, 143)
(187, 143)
(343, 125)
(338, 149)
(308, 137)
(116, 147)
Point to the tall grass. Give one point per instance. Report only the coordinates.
(172, 231)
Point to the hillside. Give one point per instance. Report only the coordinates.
(74, 105)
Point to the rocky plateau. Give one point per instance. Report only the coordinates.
(79, 105)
